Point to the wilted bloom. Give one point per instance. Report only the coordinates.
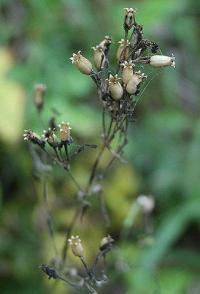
(106, 242)
(38, 97)
(105, 43)
(33, 137)
(133, 83)
(76, 246)
(50, 137)
(123, 50)
(129, 18)
(147, 203)
(64, 129)
(161, 60)
(127, 71)
(99, 57)
(115, 88)
(82, 63)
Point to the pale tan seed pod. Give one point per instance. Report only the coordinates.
(106, 242)
(129, 18)
(82, 63)
(76, 246)
(133, 83)
(127, 71)
(162, 60)
(123, 50)
(38, 98)
(114, 87)
(64, 130)
(99, 57)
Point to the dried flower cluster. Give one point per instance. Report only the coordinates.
(118, 92)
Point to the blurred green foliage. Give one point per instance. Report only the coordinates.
(37, 39)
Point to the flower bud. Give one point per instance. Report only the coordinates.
(132, 85)
(161, 60)
(99, 57)
(64, 129)
(38, 97)
(76, 246)
(115, 88)
(123, 50)
(106, 242)
(82, 63)
(147, 203)
(129, 18)
(127, 71)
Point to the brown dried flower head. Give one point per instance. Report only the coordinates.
(76, 246)
(105, 43)
(82, 63)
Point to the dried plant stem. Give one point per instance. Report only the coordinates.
(49, 217)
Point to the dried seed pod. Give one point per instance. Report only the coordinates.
(76, 246)
(51, 138)
(82, 63)
(127, 71)
(105, 43)
(115, 88)
(99, 57)
(106, 242)
(38, 98)
(64, 130)
(33, 137)
(123, 50)
(162, 60)
(129, 18)
(132, 85)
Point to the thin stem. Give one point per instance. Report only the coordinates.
(49, 217)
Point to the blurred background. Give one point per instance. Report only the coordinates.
(37, 38)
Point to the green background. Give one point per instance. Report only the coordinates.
(37, 38)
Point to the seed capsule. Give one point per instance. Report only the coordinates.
(123, 50)
(115, 88)
(132, 85)
(82, 63)
(161, 60)
(99, 57)
(76, 246)
(129, 18)
(127, 71)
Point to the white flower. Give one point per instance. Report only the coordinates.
(162, 60)
(76, 246)
(106, 242)
(115, 88)
(82, 63)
